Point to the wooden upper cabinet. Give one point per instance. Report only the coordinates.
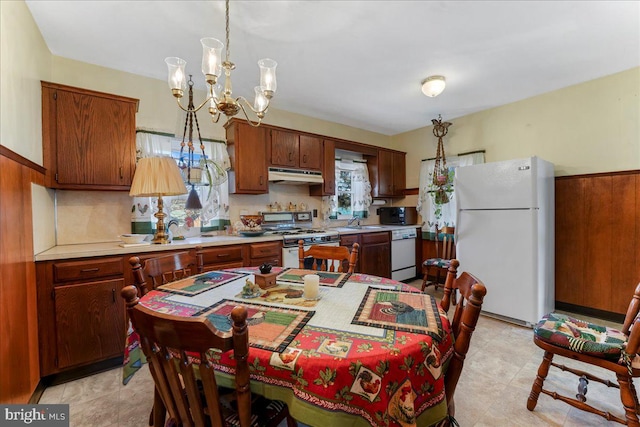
(88, 138)
(389, 179)
(295, 150)
(328, 187)
(285, 148)
(247, 150)
(310, 152)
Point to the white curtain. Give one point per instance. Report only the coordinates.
(215, 198)
(360, 190)
(443, 214)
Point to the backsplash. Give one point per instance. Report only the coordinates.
(101, 216)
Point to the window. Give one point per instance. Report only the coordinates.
(214, 214)
(353, 190)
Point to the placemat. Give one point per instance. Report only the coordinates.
(201, 283)
(283, 294)
(270, 328)
(401, 311)
(296, 275)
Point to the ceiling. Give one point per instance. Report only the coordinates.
(360, 63)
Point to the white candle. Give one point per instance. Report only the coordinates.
(311, 286)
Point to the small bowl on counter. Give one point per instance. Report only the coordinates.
(132, 238)
(252, 222)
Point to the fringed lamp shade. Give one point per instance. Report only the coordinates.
(157, 177)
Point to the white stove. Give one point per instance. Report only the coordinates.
(293, 227)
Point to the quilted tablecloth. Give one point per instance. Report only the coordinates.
(369, 352)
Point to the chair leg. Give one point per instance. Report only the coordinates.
(158, 412)
(536, 389)
(628, 400)
(291, 422)
(425, 278)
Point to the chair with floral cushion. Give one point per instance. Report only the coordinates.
(178, 350)
(445, 251)
(593, 345)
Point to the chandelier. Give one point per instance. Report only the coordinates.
(212, 66)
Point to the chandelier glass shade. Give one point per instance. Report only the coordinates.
(219, 98)
(433, 86)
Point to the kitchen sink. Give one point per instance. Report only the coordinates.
(363, 227)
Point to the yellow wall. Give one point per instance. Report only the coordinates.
(586, 128)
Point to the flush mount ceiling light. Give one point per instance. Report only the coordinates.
(433, 86)
(212, 67)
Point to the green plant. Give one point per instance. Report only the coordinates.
(440, 191)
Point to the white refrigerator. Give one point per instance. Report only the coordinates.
(505, 235)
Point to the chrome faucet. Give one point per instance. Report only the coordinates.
(352, 220)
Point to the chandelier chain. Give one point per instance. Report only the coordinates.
(228, 49)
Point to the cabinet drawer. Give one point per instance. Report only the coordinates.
(222, 254)
(349, 240)
(275, 260)
(223, 265)
(87, 269)
(369, 238)
(269, 249)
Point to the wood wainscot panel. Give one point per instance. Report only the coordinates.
(597, 241)
(19, 370)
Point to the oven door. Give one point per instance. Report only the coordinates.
(290, 255)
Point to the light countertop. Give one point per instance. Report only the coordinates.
(114, 248)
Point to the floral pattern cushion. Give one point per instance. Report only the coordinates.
(437, 262)
(580, 336)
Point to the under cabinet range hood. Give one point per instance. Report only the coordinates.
(294, 176)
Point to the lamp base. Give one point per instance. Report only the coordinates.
(160, 240)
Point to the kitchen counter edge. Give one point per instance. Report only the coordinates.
(87, 250)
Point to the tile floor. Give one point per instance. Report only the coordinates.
(499, 370)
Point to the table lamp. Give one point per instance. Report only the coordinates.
(157, 177)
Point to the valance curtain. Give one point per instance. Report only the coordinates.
(215, 199)
(444, 214)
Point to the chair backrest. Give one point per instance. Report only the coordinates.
(445, 246)
(328, 258)
(157, 271)
(176, 346)
(465, 317)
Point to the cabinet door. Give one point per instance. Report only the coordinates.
(95, 140)
(376, 259)
(248, 152)
(399, 174)
(89, 322)
(328, 187)
(385, 173)
(310, 152)
(284, 148)
(375, 251)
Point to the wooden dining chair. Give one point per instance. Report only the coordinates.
(157, 271)
(466, 293)
(595, 346)
(177, 350)
(328, 258)
(445, 251)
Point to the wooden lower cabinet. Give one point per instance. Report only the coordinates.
(221, 257)
(88, 318)
(80, 312)
(375, 254)
(261, 253)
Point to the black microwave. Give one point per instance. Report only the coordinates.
(398, 215)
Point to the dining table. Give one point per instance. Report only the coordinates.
(367, 351)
